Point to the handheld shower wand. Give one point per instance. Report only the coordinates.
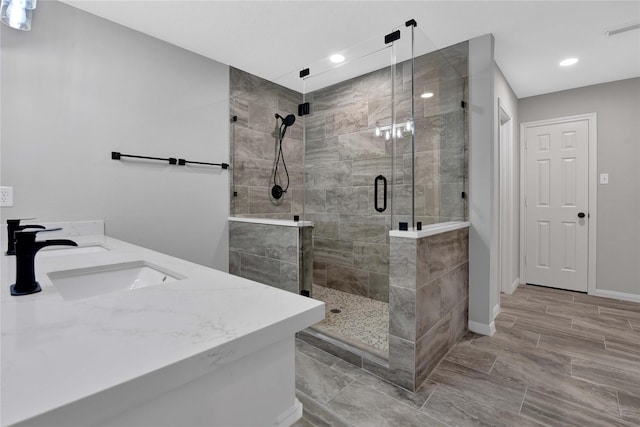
(277, 191)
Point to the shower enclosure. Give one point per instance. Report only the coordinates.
(378, 144)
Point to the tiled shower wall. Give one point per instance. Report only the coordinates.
(343, 156)
(428, 309)
(276, 255)
(254, 103)
(440, 137)
(428, 305)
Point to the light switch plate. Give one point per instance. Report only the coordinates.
(604, 178)
(6, 196)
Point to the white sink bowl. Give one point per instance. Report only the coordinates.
(89, 282)
(52, 251)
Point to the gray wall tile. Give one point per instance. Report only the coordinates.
(430, 133)
(289, 277)
(455, 130)
(329, 175)
(347, 200)
(427, 165)
(347, 120)
(240, 109)
(319, 273)
(379, 286)
(333, 252)
(261, 202)
(348, 280)
(262, 118)
(360, 145)
(444, 253)
(458, 321)
(372, 257)
(431, 348)
(363, 228)
(234, 263)
(402, 313)
(321, 151)
(454, 288)
(251, 143)
(315, 199)
(324, 225)
(451, 165)
(314, 125)
(428, 307)
(265, 240)
(402, 362)
(260, 269)
(252, 172)
(240, 202)
(364, 171)
(402, 267)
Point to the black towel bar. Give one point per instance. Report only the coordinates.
(172, 160)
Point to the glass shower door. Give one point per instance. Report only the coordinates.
(348, 162)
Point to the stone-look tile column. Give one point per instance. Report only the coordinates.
(278, 253)
(428, 301)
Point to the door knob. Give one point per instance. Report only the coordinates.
(580, 214)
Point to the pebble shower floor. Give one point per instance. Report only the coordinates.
(359, 318)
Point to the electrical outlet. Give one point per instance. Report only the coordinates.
(604, 178)
(6, 196)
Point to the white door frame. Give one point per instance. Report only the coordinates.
(505, 229)
(592, 191)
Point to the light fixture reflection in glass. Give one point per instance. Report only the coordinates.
(336, 59)
(426, 95)
(387, 135)
(398, 133)
(17, 13)
(377, 131)
(408, 126)
(568, 61)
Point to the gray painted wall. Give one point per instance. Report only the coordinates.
(482, 160)
(618, 107)
(77, 87)
(511, 174)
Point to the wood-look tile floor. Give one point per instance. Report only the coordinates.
(557, 358)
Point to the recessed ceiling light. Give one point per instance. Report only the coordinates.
(426, 95)
(336, 59)
(568, 61)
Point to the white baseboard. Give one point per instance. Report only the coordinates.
(496, 310)
(481, 328)
(616, 295)
(513, 286)
(290, 416)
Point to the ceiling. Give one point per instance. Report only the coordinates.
(275, 38)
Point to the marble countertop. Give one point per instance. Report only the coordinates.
(56, 352)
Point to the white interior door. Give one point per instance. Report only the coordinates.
(556, 205)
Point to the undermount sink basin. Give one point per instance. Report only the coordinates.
(88, 282)
(51, 251)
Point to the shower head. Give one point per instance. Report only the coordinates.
(287, 121)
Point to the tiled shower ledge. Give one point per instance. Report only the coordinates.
(281, 222)
(430, 230)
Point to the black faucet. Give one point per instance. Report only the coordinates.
(13, 225)
(26, 249)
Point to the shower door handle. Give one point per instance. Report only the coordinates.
(384, 194)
